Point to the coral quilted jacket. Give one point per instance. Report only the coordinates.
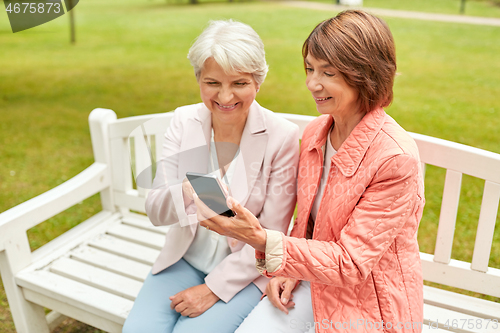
(363, 260)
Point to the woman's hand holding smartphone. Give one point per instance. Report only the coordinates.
(210, 190)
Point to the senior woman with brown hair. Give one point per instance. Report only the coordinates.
(352, 260)
(201, 281)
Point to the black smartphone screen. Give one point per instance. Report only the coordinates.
(208, 190)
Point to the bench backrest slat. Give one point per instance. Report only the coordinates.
(486, 226)
(448, 216)
(423, 166)
(142, 163)
(158, 145)
(122, 172)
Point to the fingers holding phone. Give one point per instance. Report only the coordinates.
(211, 192)
(244, 226)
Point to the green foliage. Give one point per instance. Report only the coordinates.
(131, 57)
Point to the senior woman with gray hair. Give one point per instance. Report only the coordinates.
(201, 279)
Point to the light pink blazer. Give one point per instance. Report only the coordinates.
(264, 182)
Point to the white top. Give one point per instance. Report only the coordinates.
(329, 152)
(209, 248)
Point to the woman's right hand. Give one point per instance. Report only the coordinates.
(187, 192)
(279, 292)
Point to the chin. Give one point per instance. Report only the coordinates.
(323, 111)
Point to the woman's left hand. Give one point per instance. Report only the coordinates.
(193, 301)
(244, 226)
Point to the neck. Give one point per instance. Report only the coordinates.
(343, 127)
(228, 132)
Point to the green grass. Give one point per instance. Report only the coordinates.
(131, 57)
(486, 8)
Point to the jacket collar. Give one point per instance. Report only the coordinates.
(203, 117)
(252, 150)
(353, 149)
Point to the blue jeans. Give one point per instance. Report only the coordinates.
(151, 312)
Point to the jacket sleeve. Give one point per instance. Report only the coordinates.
(276, 214)
(376, 220)
(165, 202)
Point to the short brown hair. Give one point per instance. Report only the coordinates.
(361, 47)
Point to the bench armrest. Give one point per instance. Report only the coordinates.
(34, 211)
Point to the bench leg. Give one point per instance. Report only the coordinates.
(28, 317)
(54, 319)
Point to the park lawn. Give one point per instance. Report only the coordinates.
(130, 56)
(486, 8)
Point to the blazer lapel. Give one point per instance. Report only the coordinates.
(194, 150)
(252, 149)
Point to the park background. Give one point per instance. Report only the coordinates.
(130, 56)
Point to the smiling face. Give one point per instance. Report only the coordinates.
(332, 94)
(227, 96)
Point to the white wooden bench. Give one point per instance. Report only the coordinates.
(94, 271)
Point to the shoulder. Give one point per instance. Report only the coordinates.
(395, 140)
(314, 126)
(397, 151)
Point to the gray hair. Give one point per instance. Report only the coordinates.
(235, 46)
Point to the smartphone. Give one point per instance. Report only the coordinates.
(209, 190)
